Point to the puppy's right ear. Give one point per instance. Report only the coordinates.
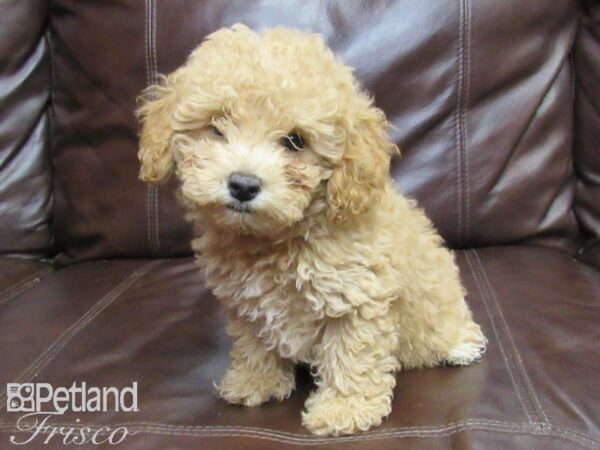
(157, 104)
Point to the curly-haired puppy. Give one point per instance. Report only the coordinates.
(283, 162)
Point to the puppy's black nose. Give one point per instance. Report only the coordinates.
(243, 186)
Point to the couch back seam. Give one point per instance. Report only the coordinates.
(460, 122)
(152, 201)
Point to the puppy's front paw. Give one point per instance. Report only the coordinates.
(328, 413)
(251, 388)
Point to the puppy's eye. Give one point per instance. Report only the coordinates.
(216, 131)
(293, 142)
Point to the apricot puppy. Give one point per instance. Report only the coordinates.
(284, 169)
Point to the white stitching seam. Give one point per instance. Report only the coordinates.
(293, 438)
(157, 190)
(511, 342)
(153, 72)
(156, 222)
(149, 233)
(460, 122)
(503, 351)
(23, 285)
(465, 159)
(59, 343)
(150, 190)
(148, 220)
(457, 120)
(146, 37)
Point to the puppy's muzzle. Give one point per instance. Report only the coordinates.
(243, 186)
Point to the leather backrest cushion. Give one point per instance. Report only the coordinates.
(587, 119)
(480, 93)
(25, 174)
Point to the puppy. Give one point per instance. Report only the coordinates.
(284, 168)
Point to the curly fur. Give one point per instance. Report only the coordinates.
(330, 265)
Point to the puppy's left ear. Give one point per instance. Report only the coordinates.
(157, 104)
(359, 180)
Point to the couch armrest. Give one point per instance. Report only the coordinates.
(586, 60)
(25, 173)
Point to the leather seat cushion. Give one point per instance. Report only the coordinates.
(153, 321)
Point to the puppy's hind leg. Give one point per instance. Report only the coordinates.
(437, 326)
(255, 375)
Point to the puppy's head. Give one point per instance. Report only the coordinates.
(264, 130)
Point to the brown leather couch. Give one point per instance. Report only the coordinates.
(497, 112)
